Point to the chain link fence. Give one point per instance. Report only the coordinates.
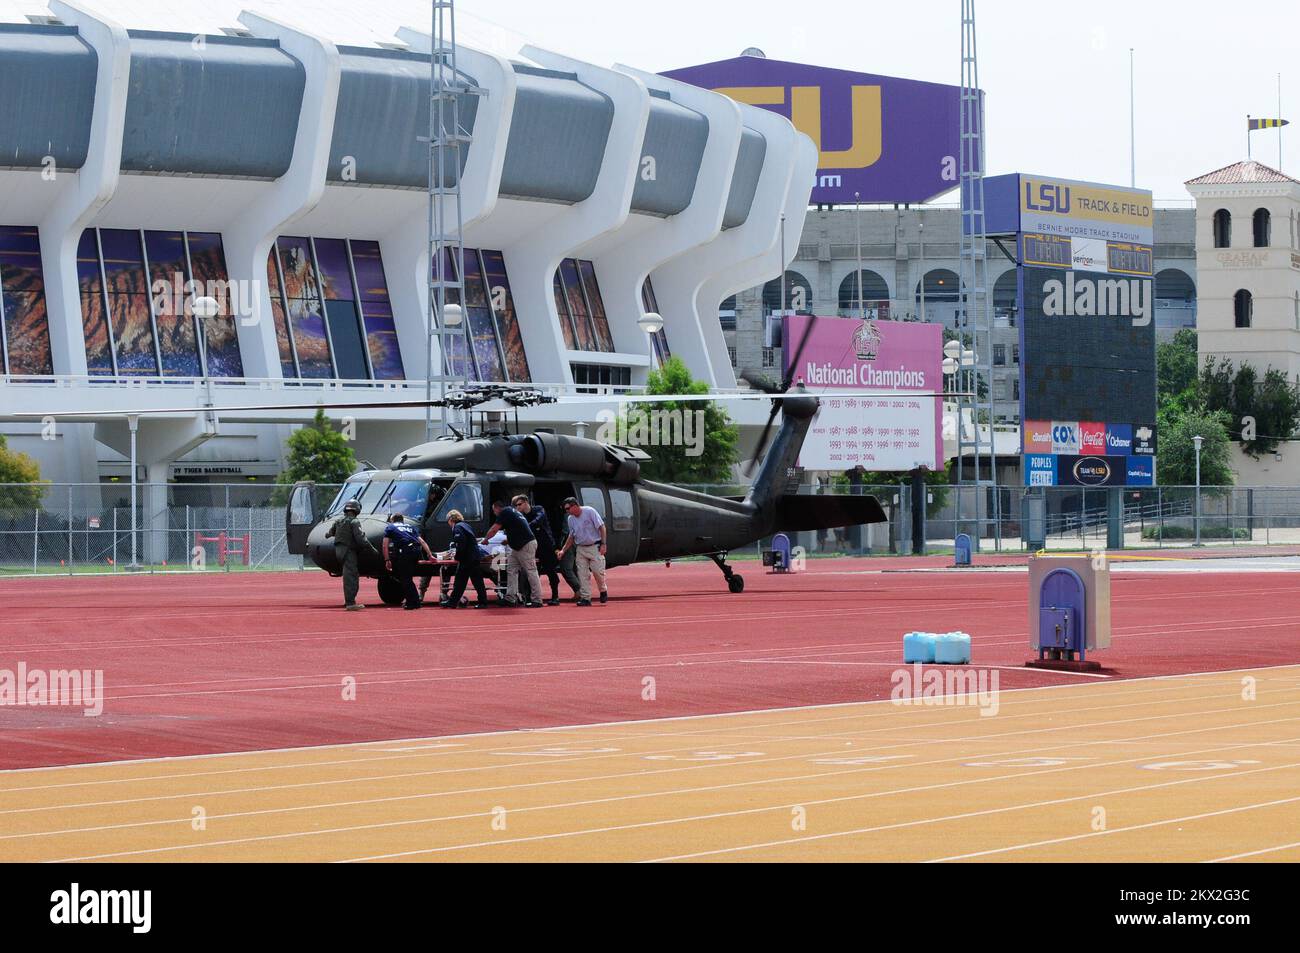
(70, 528)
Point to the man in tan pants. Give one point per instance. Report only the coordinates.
(521, 555)
(587, 535)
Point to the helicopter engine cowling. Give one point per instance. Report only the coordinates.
(558, 453)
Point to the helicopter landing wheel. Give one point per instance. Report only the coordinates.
(390, 591)
(736, 582)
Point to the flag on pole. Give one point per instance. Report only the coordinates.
(1254, 124)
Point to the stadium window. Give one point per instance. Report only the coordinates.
(24, 326)
(769, 357)
(1015, 388)
(1000, 355)
(1242, 308)
(731, 354)
(1222, 228)
(1263, 227)
(590, 378)
(1015, 354)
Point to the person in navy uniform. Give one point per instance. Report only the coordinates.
(469, 562)
(401, 550)
(521, 556)
(547, 563)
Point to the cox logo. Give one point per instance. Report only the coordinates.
(1062, 434)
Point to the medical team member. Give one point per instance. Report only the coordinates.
(586, 533)
(540, 524)
(521, 556)
(401, 552)
(469, 562)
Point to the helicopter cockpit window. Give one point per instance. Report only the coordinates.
(351, 490)
(466, 497)
(407, 497)
(371, 496)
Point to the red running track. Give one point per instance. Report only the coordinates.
(214, 663)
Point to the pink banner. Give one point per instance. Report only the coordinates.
(897, 424)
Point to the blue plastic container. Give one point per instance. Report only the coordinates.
(918, 647)
(952, 648)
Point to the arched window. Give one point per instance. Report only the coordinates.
(1222, 228)
(1004, 299)
(1263, 223)
(940, 285)
(1242, 307)
(1175, 299)
(874, 291)
(798, 294)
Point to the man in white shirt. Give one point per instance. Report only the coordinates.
(587, 535)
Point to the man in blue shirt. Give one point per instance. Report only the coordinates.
(521, 556)
(401, 550)
(588, 535)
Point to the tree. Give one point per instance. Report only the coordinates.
(1176, 366)
(706, 459)
(319, 453)
(938, 483)
(1177, 426)
(1261, 414)
(20, 478)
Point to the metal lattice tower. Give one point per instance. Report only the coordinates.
(975, 315)
(446, 222)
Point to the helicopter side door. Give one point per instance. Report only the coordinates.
(300, 516)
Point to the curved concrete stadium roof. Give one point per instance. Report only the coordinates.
(383, 110)
(744, 182)
(226, 107)
(557, 137)
(47, 91)
(675, 137)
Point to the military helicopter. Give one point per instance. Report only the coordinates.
(646, 521)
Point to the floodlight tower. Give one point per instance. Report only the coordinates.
(447, 139)
(975, 314)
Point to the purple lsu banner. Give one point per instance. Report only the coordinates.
(887, 139)
(896, 425)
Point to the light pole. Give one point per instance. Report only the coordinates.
(1197, 441)
(857, 224)
(203, 309)
(920, 230)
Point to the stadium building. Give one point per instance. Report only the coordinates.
(270, 156)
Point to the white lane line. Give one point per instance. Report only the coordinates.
(1254, 853)
(784, 807)
(666, 821)
(1122, 830)
(987, 812)
(983, 737)
(1140, 686)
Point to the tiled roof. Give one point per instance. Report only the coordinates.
(1240, 173)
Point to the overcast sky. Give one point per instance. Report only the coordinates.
(1056, 75)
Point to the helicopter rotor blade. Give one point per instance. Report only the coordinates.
(793, 362)
(759, 382)
(763, 438)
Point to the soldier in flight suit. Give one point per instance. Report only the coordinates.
(349, 539)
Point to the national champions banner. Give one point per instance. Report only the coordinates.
(896, 425)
